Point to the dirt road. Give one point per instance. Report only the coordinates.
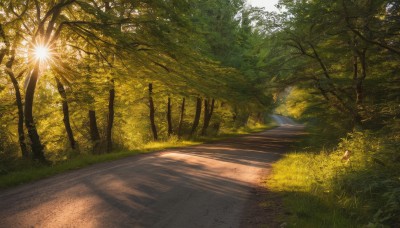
(201, 186)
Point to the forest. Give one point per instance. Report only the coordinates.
(90, 76)
(95, 77)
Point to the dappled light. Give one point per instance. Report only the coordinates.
(213, 180)
(214, 91)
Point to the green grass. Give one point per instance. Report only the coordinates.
(237, 132)
(305, 195)
(319, 189)
(28, 171)
(34, 171)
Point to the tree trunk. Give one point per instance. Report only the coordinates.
(152, 112)
(358, 86)
(360, 80)
(94, 131)
(208, 111)
(169, 117)
(110, 117)
(181, 118)
(67, 124)
(260, 118)
(197, 116)
(18, 98)
(36, 145)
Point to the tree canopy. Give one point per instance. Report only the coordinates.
(82, 73)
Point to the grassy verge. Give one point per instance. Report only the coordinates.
(320, 188)
(27, 171)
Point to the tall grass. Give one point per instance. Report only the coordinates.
(321, 189)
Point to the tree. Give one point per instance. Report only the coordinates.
(169, 117)
(182, 115)
(110, 119)
(66, 118)
(152, 112)
(18, 97)
(197, 116)
(208, 111)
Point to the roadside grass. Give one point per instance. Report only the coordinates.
(320, 189)
(236, 132)
(306, 203)
(24, 171)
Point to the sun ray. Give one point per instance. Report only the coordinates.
(41, 52)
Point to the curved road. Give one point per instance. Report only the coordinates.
(201, 186)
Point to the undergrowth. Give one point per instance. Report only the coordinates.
(322, 188)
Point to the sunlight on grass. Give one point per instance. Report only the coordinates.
(172, 142)
(322, 190)
(305, 193)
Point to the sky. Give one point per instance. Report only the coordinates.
(267, 4)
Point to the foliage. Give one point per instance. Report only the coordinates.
(362, 190)
(96, 47)
(331, 50)
(332, 65)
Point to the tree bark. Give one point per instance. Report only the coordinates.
(359, 88)
(66, 119)
(152, 112)
(110, 117)
(208, 111)
(36, 145)
(181, 118)
(169, 117)
(197, 116)
(18, 98)
(360, 80)
(94, 131)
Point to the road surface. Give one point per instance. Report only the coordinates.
(201, 186)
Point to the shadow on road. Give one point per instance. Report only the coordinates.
(201, 186)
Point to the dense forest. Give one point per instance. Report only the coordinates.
(98, 76)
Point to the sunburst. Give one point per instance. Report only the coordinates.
(41, 52)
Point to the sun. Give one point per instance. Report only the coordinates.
(41, 52)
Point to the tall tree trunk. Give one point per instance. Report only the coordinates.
(358, 92)
(110, 116)
(46, 34)
(36, 145)
(152, 112)
(208, 111)
(260, 117)
(358, 85)
(181, 118)
(197, 116)
(65, 108)
(18, 98)
(94, 132)
(360, 80)
(169, 117)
